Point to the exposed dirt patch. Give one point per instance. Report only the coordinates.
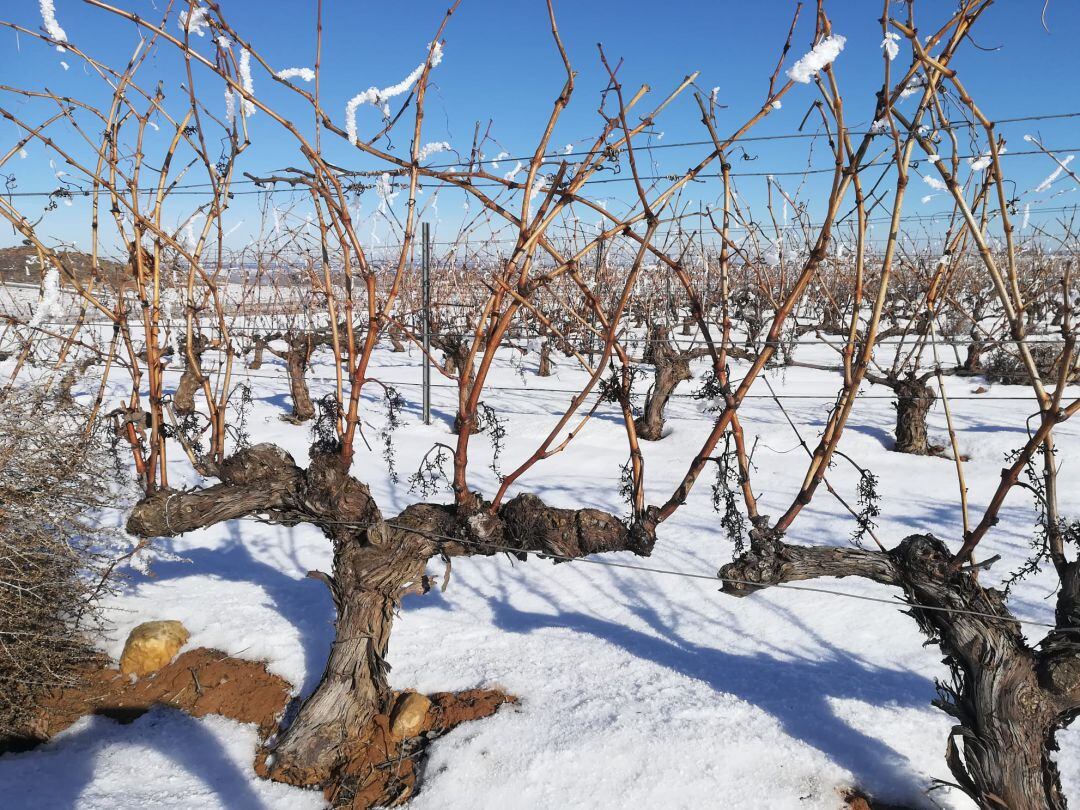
(199, 682)
(857, 799)
(381, 771)
(386, 773)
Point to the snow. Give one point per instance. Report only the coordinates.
(194, 22)
(379, 98)
(50, 292)
(304, 73)
(164, 759)
(821, 56)
(247, 106)
(52, 27)
(891, 45)
(637, 689)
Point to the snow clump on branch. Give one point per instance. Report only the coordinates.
(247, 83)
(195, 22)
(822, 55)
(52, 27)
(307, 74)
(380, 98)
(50, 292)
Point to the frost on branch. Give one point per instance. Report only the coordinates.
(247, 83)
(822, 55)
(194, 22)
(304, 73)
(50, 292)
(52, 27)
(380, 98)
(891, 45)
(433, 148)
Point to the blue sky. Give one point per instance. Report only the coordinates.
(500, 66)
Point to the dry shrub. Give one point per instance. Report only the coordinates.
(56, 482)
(1005, 366)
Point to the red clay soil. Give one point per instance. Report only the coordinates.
(381, 771)
(199, 682)
(856, 799)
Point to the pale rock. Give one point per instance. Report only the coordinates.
(152, 645)
(409, 715)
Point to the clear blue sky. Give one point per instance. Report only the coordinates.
(500, 66)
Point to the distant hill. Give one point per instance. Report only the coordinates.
(19, 265)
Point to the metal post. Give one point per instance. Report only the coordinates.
(425, 283)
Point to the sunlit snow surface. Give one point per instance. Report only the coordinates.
(637, 689)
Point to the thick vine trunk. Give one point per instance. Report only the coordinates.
(368, 582)
(296, 358)
(671, 368)
(545, 360)
(296, 362)
(375, 563)
(913, 402)
(669, 373)
(973, 360)
(71, 376)
(395, 334)
(1008, 700)
(456, 349)
(192, 377)
(258, 352)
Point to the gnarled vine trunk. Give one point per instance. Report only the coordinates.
(258, 352)
(671, 367)
(395, 334)
(545, 368)
(296, 363)
(192, 377)
(296, 357)
(1008, 699)
(376, 562)
(914, 398)
(973, 358)
(668, 375)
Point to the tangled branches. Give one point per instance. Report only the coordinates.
(54, 480)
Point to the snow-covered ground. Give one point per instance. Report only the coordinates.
(637, 689)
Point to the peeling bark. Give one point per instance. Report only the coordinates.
(192, 377)
(1008, 700)
(914, 399)
(376, 562)
(297, 357)
(671, 367)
